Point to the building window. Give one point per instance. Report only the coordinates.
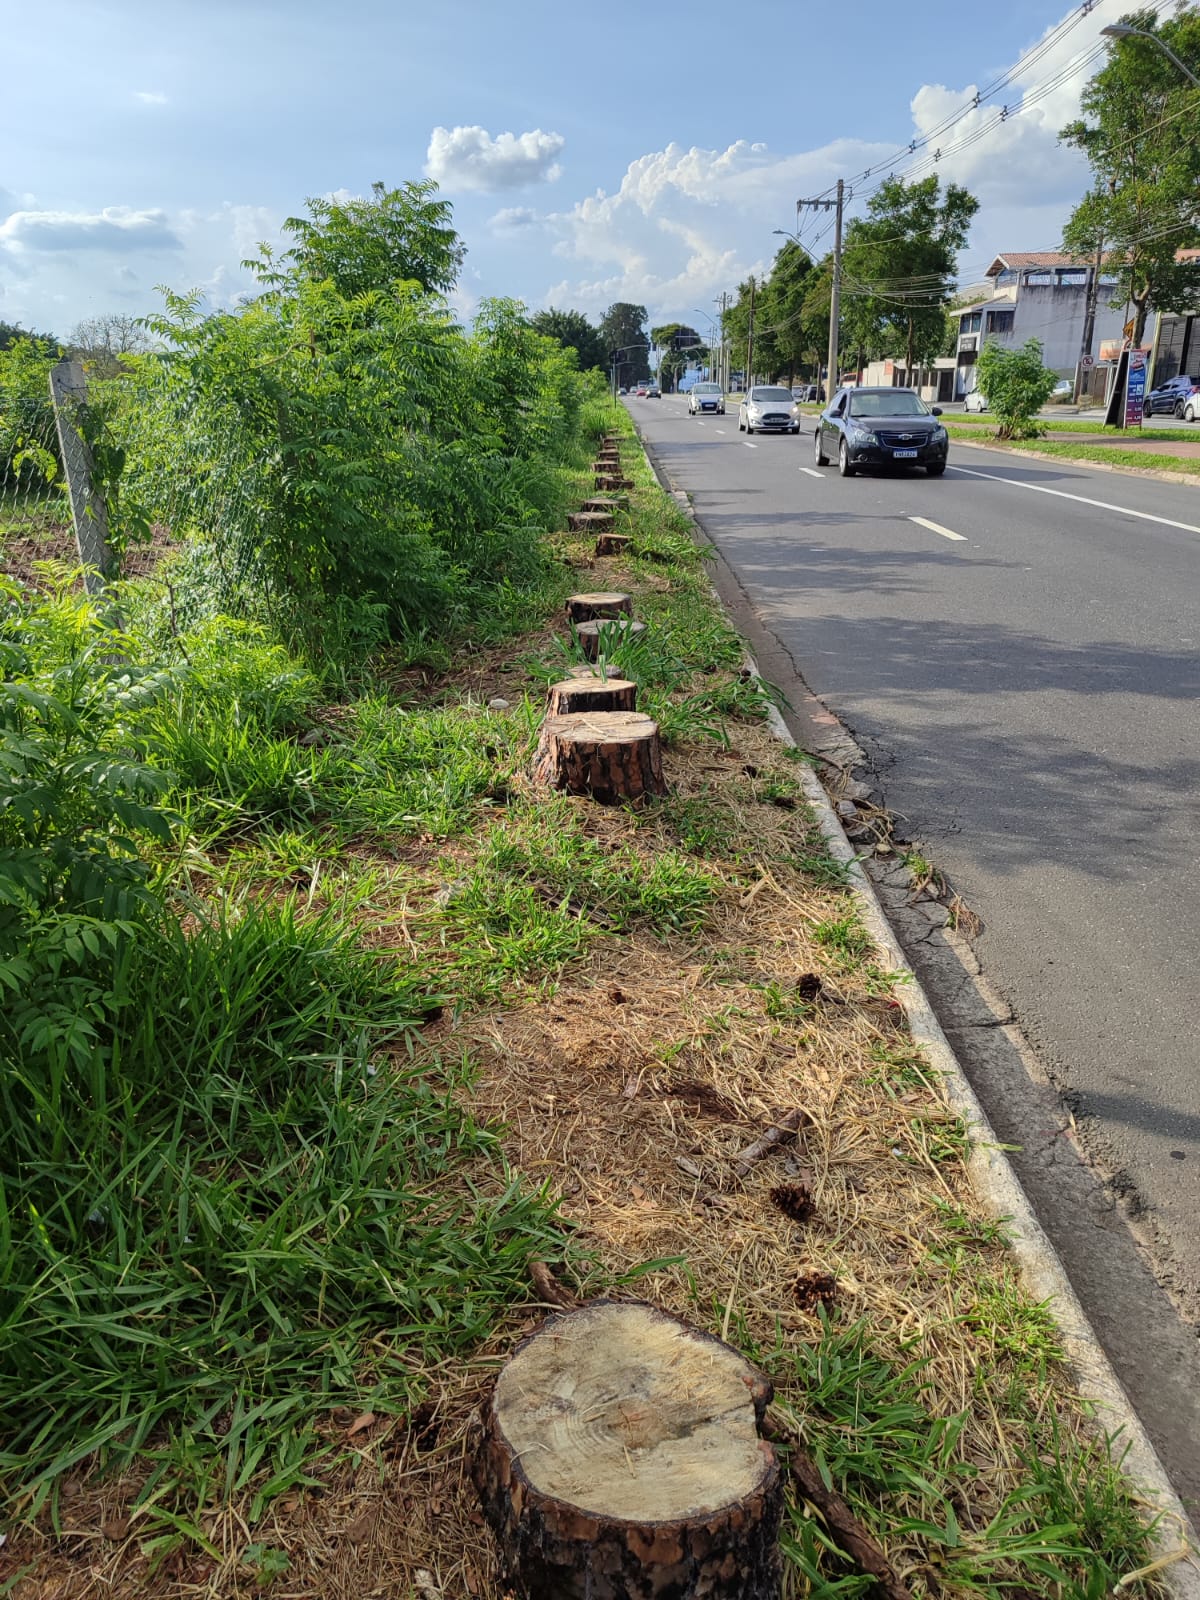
(1006, 277)
(1000, 322)
(971, 324)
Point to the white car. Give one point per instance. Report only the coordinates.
(1191, 409)
(706, 397)
(769, 409)
(975, 401)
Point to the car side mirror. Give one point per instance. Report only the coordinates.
(936, 410)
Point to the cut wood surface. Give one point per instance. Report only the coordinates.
(598, 603)
(606, 633)
(609, 755)
(592, 693)
(608, 481)
(620, 1455)
(590, 521)
(606, 502)
(612, 544)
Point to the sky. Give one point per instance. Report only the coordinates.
(631, 151)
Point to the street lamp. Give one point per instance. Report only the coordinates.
(1122, 30)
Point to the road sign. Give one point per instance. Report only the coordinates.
(1087, 362)
(1128, 329)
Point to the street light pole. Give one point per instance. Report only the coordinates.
(1122, 30)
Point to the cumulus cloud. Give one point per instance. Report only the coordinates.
(510, 218)
(116, 228)
(469, 158)
(150, 97)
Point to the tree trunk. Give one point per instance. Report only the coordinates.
(610, 755)
(600, 603)
(606, 634)
(590, 521)
(619, 1458)
(612, 544)
(593, 693)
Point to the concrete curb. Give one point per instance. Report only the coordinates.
(1038, 1261)
(1186, 479)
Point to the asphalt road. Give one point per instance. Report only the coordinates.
(1023, 669)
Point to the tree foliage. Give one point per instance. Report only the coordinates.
(790, 329)
(402, 235)
(623, 329)
(573, 330)
(898, 268)
(1138, 132)
(1017, 385)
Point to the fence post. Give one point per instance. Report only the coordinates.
(89, 512)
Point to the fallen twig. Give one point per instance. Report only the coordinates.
(549, 1288)
(849, 1532)
(781, 1132)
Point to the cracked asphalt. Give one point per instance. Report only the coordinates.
(1027, 697)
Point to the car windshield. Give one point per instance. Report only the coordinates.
(707, 388)
(893, 403)
(767, 395)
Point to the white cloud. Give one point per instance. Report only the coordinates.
(509, 218)
(150, 97)
(469, 158)
(116, 228)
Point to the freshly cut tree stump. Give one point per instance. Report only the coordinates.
(605, 481)
(589, 521)
(610, 755)
(599, 603)
(611, 544)
(606, 633)
(592, 693)
(606, 502)
(619, 1459)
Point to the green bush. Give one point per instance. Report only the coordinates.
(1017, 386)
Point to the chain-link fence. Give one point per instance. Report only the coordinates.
(35, 512)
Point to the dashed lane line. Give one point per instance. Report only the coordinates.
(936, 527)
(812, 472)
(748, 445)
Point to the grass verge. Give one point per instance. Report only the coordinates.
(400, 1023)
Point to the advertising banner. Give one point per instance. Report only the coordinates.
(1135, 388)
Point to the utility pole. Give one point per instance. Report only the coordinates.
(750, 341)
(1089, 319)
(835, 298)
(723, 364)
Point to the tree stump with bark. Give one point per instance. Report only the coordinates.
(606, 502)
(619, 1458)
(609, 755)
(607, 462)
(591, 693)
(598, 603)
(606, 481)
(612, 544)
(605, 634)
(590, 521)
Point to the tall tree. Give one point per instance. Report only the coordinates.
(395, 235)
(791, 334)
(103, 341)
(898, 267)
(573, 330)
(623, 329)
(679, 347)
(1138, 132)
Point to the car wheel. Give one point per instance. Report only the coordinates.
(845, 466)
(819, 455)
(741, 426)
(1190, 413)
(796, 428)
(936, 468)
(1179, 409)
(749, 427)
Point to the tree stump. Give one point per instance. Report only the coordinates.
(599, 603)
(593, 693)
(610, 755)
(605, 481)
(606, 502)
(604, 634)
(619, 1458)
(590, 521)
(611, 544)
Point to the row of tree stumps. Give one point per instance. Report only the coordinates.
(594, 741)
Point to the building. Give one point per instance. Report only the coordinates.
(1036, 294)
(1178, 346)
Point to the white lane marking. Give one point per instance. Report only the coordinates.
(812, 472)
(936, 527)
(720, 430)
(1061, 494)
(748, 445)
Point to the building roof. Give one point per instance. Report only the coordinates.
(1033, 258)
(979, 305)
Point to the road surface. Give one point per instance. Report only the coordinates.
(1016, 647)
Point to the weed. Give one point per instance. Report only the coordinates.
(845, 936)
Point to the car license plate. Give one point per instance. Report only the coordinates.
(905, 455)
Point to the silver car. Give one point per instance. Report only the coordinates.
(768, 409)
(975, 401)
(706, 397)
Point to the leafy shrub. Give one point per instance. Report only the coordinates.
(1017, 386)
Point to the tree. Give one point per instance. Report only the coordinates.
(623, 329)
(899, 264)
(1138, 133)
(1017, 385)
(103, 341)
(678, 347)
(399, 235)
(791, 335)
(573, 330)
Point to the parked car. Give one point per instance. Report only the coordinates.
(706, 397)
(881, 428)
(651, 391)
(769, 409)
(1171, 398)
(975, 401)
(1191, 411)
(1062, 391)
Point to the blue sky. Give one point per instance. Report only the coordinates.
(625, 151)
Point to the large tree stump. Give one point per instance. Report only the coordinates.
(593, 693)
(612, 544)
(619, 1459)
(606, 481)
(606, 502)
(610, 755)
(598, 603)
(605, 634)
(590, 521)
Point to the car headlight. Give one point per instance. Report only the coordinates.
(863, 436)
(939, 435)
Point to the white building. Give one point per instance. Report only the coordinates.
(1036, 294)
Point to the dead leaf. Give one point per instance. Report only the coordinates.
(362, 1527)
(366, 1420)
(115, 1528)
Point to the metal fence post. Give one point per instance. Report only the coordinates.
(89, 512)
